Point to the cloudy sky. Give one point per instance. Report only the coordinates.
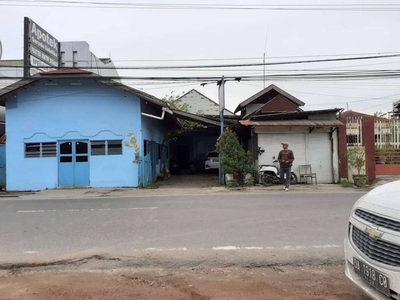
(159, 35)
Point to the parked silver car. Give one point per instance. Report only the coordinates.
(212, 161)
(372, 243)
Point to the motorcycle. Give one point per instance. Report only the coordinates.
(193, 166)
(270, 174)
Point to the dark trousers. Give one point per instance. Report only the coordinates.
(286, 170)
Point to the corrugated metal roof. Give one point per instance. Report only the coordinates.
(313, 123)
(24, 82)
(139, 94)
(293, 115)
(195, 118)
(13, 87)
(66, 72)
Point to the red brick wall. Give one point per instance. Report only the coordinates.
(387, 169)
(368, 137)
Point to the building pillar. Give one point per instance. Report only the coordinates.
(368, 134)
(343, 171)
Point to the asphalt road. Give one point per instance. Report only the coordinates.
(215, 229)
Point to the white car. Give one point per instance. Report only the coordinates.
(372, 243)
(212, 161)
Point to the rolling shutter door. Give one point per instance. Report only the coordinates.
(314, 149)
(320, 156)
(272, 145)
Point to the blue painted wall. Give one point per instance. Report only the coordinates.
(65, 110)
(150, 131)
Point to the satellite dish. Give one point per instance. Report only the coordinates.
(1, 50)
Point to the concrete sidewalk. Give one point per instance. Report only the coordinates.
(182, 188)
(84, 193)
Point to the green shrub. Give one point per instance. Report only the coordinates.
(151, 186)
(356, 158)
(235, 160)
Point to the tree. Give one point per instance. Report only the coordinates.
(380, 114)
(174, 102)
(235, 160)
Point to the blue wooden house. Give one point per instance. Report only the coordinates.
(70, 128)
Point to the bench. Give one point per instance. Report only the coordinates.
(305, 173)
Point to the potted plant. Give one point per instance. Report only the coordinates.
(235, 160)
(356, 160)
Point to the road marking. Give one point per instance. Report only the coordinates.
(227, 248)
(253, 248)
(235, 248)
(85, 209)
(30, 252)
(159, 249)
(285, 248)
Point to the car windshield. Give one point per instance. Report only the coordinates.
(212, 154)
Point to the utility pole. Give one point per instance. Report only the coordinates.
(221, 94)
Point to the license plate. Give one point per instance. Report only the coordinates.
(215, 160)
(372, 277)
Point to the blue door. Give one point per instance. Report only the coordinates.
(73, 163)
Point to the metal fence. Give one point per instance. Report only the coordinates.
(387, 138)
(387, 134)
(354, 131)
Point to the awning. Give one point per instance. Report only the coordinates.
(300, 123)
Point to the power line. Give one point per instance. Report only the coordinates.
(256, 58)
(192, 6)
(233, 65)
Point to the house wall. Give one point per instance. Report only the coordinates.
(200, 104)
(70, 110)
(279, 103)
(151, 132)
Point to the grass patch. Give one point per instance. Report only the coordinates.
(232, 184)
(346, 183)
(151, 186)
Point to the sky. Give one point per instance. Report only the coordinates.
(157, 36)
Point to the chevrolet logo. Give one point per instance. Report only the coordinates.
(373, 233)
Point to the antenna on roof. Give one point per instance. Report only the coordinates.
(265, 48)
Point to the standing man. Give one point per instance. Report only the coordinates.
(285, 159)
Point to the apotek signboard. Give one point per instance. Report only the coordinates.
(41, 49)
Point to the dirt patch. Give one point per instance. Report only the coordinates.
(326, 282)
(189, 181)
